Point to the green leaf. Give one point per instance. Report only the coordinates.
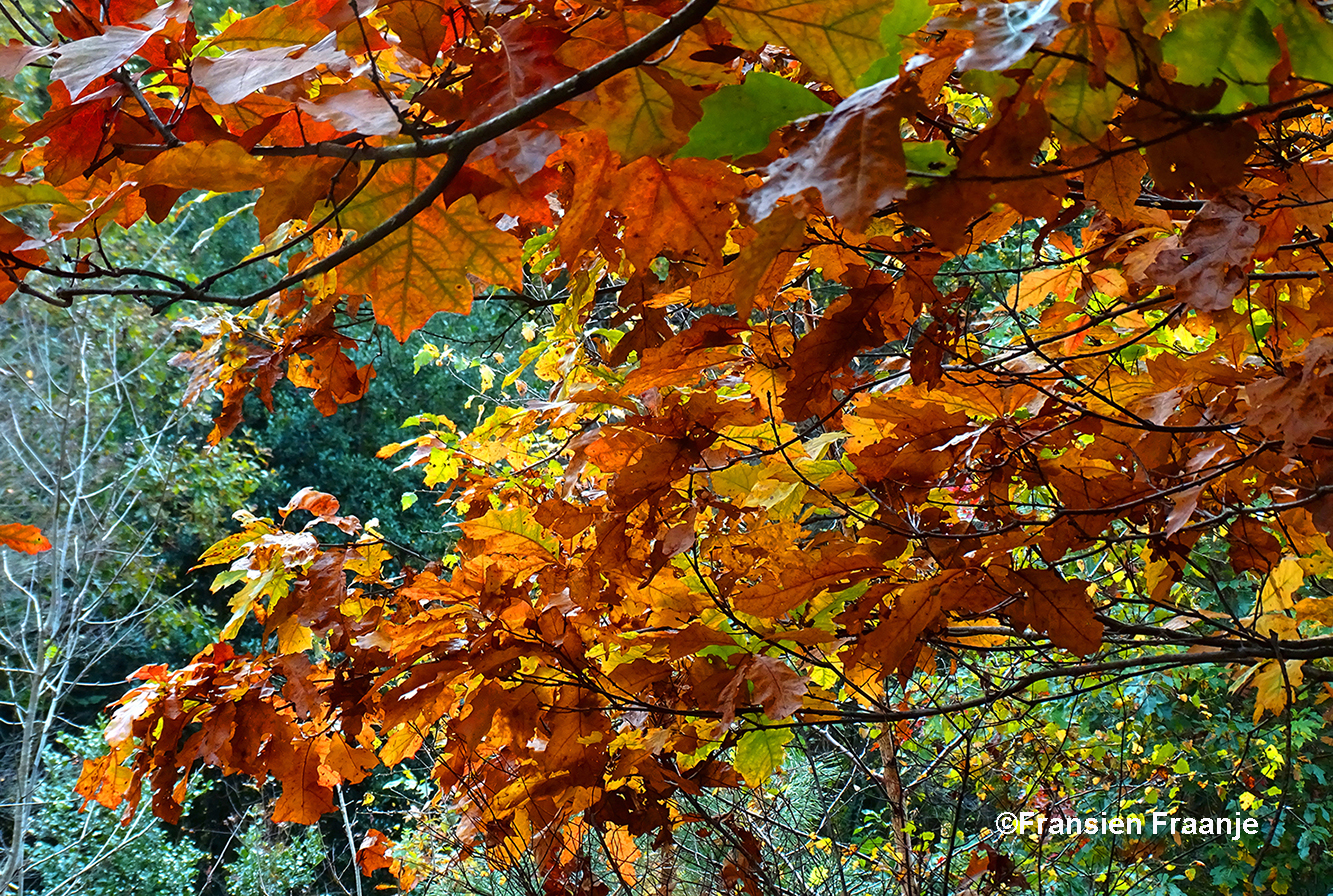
(739, 120)
(1231, 41)
(16, 195)
(1080, 112)
(906, 17)
(1309, 38)
(928, 160)
(760, 753)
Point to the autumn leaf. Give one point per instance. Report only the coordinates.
(854, 159)
(1003, 33)
(760, 752)
(422, 26)
(1061, 608)
(510, 531)
(1207, 263)
(640, 113)
(1036, 286)
(81, 62)
(777, 687)
(223, 167)
(864, 438)
(1116, 183)
(428, 265)
(20, 537)
(680, 210)
(838, 40)
(241, 72)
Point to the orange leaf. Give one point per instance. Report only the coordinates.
(428, 264)
(681, 211)
(223, 167)
(28, 539)
(1116, 183)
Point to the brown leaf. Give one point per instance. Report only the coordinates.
(778, 688)
(1208, 262)
(790, 586)
(1058, 607)
(1116, 183)
(853, 156)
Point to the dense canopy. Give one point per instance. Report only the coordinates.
(870, 340)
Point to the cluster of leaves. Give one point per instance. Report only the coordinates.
(792, 451)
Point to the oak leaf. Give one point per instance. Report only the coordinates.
(24, 538)
(853, 157)
(426, 266)
(836, 39)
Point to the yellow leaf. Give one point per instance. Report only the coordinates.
(836, 39)
(1280, 585)
(1271, 685)
(760, 753)
(510, 532)
(1316, 609)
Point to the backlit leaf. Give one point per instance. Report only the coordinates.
(428, 265)
(19, 537)
(760, 752)
(837, 39)
(1231, 41)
